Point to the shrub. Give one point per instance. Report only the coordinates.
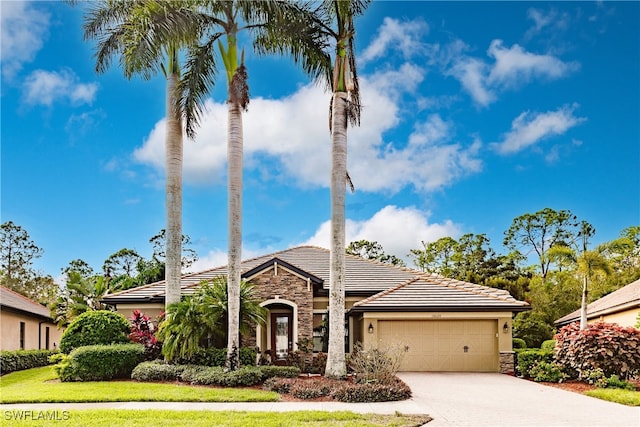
(527, 359)
(100, 362)
(546, 371)
(11, 361)
(309, 389)
(216, 375)
(143, 332)
(279, 385)
(157, 371)
(95, 328)
(218, 357)
(531, 328)
(609, 347)
(519, 343)
(548, 345)
(269, 371)
(370, 392)
(595, 377)
(376, 365)
(615, 382)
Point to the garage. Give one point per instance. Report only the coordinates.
(443, 345)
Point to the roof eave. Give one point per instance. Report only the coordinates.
(407, 309)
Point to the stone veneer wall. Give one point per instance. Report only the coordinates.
(507, 362)
(286, 286)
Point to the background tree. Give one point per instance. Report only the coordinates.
(17, 253)
(540, 231)
(373, 251)
(80, 294)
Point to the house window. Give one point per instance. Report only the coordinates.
(22, 327)
(46, 338)
(320, 332)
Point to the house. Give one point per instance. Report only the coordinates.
(448, 325)
(25, 324)
(621, 307)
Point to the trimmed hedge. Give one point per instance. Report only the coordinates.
(210, 375)
(519, 343)
(529, 358)
(548, 345)
(100, 362)
(100, 327)
(218, 357)
(11, 361)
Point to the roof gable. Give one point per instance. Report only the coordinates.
(624, 298)
(16, 301)
(274, 263)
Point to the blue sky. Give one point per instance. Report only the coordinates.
(474, 113)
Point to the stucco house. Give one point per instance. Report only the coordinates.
(447, 324)
(25, 324)
(621, 307)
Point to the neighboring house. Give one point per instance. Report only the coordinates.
(621, 307)
(25, 324)
(448, 325)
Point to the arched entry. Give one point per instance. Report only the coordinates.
(279, 336)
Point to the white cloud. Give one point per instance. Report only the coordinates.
(46, 87)
(511, 68)
(397, 229)
(23, 28)
(294, 132)
(401, 35)
(530, 128)
(514, 66)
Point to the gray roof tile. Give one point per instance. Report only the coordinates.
(12, 299)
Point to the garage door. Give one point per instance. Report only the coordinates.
(443, 345)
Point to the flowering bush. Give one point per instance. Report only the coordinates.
(612, 348)
(143, 332)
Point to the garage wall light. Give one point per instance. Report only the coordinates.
(505, 328)
(370, 328)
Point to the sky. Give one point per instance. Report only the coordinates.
(474, 113)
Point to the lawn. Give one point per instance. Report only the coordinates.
(135, 418)
(626, 397)
(40, 385)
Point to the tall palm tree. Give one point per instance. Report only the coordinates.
(218, 25)
(345, 108)
(121, 29)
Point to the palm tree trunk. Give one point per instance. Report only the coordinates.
(336, 367)
(173, 147)
(583, 306)
(234, 188)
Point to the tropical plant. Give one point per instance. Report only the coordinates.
(204, 315)
(122, 29)
(81, 294)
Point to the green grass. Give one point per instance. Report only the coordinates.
(40, 385)
(626, 397)
(134, 418)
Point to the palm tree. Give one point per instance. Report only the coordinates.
(218, 24)
(121, 29)
(345, 107)
(81, 294)
(204, 315)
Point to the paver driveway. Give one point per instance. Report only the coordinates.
(476, 399)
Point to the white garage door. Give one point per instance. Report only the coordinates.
(443, 345)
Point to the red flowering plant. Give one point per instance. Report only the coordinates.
(143, 331)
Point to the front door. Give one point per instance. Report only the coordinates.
(281, 336)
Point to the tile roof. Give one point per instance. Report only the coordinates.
(400, 286)
(622, 299)
(12, 299)
(431, 292)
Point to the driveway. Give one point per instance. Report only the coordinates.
(476, 399)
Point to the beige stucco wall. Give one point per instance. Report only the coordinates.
(623, 318)
(34, 333)
(151, 310)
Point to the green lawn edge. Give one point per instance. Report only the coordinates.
(40, 385)
(625, 397)
(162, 418)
